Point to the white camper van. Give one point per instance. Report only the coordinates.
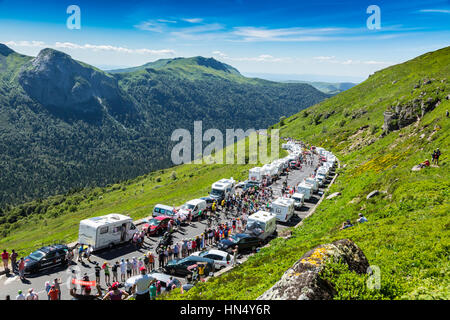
(222, 189)
(106, 231)
(283, 208)
(255, 175)
(306, 189)
(299, 200)
(314, 183)
(261, 224)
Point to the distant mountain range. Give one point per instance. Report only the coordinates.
(327, 87)
(66, 125)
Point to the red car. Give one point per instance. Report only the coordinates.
(157, 225)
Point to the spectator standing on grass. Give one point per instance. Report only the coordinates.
(5, 259)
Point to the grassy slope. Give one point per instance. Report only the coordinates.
(407, 235)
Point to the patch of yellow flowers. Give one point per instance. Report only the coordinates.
(316, 257)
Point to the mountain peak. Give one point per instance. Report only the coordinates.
(5, 50)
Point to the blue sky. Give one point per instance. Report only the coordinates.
(324, 40)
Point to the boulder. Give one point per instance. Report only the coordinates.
(333, 195)
(372, 194)
(303, 281)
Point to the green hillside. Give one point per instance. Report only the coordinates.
(65, 125)
(407, 235)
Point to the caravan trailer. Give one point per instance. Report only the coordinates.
(106, 231)
(306, 189)
(283, 208)
(261, 224)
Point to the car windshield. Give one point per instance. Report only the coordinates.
(37, 255)
(216, 192)
(154, 222)
(188, 206)
(297, 199)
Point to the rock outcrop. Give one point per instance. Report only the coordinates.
(303, 281)
(333, 195)
(403, 115)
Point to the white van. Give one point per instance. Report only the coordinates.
(222, 189)
(106, 231)
(261, 224)
(306, 189)
(163, 210)
(283, 208)
(299, 200)
(314, 183)
(193, 207)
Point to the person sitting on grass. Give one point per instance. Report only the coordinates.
(361, 218)
(346, 224)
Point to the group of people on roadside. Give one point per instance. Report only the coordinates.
(17, 267)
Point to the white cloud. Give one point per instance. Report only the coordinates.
(435, 11)
(69, 45)
(25, 43)
(193, 20)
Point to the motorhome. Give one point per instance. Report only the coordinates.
(106, 231)
(222, 189)
(299, 200)
(306, 189)
(283, 208)
(314, 183)
(261, 224)
(324, 171)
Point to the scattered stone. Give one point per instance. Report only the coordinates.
(333, 195)
(303, 281)
(422, 136)
(372, 194)
(394, 82)
(416, 168)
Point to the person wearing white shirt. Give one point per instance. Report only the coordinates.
(32, 295)
(20, 296)
(142, 285)
(123, 269)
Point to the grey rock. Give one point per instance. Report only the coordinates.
(333, 195)
(303, 281)
(372, 194)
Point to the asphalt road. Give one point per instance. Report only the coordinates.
(9, 285)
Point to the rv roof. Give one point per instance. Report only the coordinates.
(282, 202)
(112, 217)
(262, 215)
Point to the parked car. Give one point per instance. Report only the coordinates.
(242, 240)
(158, 276)
(157, 225)
(221, 258)
(46, 257)
(180, 266)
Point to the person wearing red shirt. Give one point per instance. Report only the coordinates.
(5, 258)
(53, 293)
